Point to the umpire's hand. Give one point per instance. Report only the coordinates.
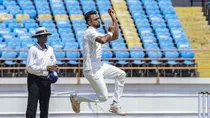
(52, 68)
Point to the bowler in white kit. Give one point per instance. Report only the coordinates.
(94, 70)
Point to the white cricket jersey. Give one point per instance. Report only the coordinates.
(92, 50)
(38, 60)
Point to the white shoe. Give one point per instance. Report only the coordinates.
(75, 103)
(115, 108)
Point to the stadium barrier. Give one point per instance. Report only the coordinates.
(158, 70)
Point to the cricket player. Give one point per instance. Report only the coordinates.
(94, 70)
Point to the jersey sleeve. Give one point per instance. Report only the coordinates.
(93, 34)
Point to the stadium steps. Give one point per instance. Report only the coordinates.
(126, 23)
(145, 97)
(197, 30)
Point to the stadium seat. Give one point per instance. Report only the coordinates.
(137, 54)
(57, 44)
(4, 17)
(31, 25)
(23, 55)
(123, 55)
(71, 45)
(107, 54)
(13, 26)
(10, 21)
(31, 12)
(73, 55)
(9, 55)
(60, 55)
(27, 21)
(61, 17)
(44, 17)
(76, 17)
(20, 17)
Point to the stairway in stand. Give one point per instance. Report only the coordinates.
(198, 31)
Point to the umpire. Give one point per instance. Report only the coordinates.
(41, 60)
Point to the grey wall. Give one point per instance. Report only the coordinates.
(177, 3)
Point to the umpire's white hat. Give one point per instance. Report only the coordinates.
(41, 31)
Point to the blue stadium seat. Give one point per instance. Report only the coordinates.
(63, 25)
(59, 12)
(3, 45)
(186, 54)
(118, 45)
(54, 35)
(137, 54)
(44, 10)
(73, 55)
(14, 12)
(23, 55)
(149, 39)
(68, 39)
(50, 25)
(71, 12)
(2, 25)
(13, 45)
(9, 3)
(31, 25)
(52, 30)
(65, 31)
(64, 34)
(4, 31)
(62, 21)
(12, 26)
(1, 39)
(105, 46)
(71, 45)
(9, 55)
(24, 35)
(10, 21)
(30, 12)
(123, 55)
(46, 21)
(60, 55)
(119, 40)
(7, 37)
(107, 54)
(57, 44)
(28, 21)
(53, 39)
(27, 44)
(169, 54)
(153, 54)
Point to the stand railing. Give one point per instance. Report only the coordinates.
(141, 70)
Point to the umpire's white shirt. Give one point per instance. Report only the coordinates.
(38, 60)
(92, 50)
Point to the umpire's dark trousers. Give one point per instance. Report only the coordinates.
(38, 89)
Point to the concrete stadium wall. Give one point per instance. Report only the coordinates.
(148, 98)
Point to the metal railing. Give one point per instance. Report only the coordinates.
(143, 70)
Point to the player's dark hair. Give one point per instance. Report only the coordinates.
(88, 14)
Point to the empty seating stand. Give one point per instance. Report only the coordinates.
(143, 24)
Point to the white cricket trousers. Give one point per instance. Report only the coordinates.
(97, 82)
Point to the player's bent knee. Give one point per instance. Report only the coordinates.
(122, 75)
(103, 98)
